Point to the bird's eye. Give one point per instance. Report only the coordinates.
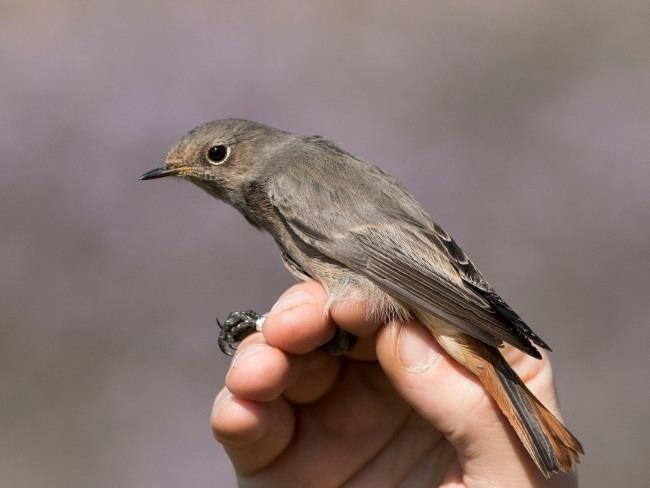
(218, 154)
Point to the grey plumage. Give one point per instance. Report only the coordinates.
(353, 213)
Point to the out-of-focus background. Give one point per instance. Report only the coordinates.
(522, 126)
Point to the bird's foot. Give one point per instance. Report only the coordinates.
(341, 343)
(237, 327)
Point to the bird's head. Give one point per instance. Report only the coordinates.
(221, 156)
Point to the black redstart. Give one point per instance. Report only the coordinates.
(355, 229)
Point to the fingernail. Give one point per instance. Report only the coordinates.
(416, 348)
(223, 398)
(292, 300)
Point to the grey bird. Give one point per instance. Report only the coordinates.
(350, 226)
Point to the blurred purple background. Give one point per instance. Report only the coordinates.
(522, 126)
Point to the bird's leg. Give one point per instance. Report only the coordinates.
(239, 325)
(341, 343)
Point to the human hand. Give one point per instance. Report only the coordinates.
(396, 410)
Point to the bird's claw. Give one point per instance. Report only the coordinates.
(237, 327)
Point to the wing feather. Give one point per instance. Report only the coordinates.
(390, 240)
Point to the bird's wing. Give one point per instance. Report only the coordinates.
(396, 248)
(473, 277)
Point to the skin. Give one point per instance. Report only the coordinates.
(394, 411)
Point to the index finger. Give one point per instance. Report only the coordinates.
(297, 323)
(300, 322)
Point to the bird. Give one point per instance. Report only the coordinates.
(349, 225)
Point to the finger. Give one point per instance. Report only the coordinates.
(338, 434)
(354, 316)
(262, 373)
(315, 376)
(253, 433)
(258, 372)
(425, 375)
(297, 323)
(449, 397)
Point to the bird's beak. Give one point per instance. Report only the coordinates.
(160, 173)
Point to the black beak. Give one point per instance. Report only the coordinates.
(159, 173)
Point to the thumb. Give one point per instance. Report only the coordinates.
(449, 397)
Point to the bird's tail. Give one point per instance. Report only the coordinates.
(549, 443)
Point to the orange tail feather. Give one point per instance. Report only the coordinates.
(549, 443)
(551, 446)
